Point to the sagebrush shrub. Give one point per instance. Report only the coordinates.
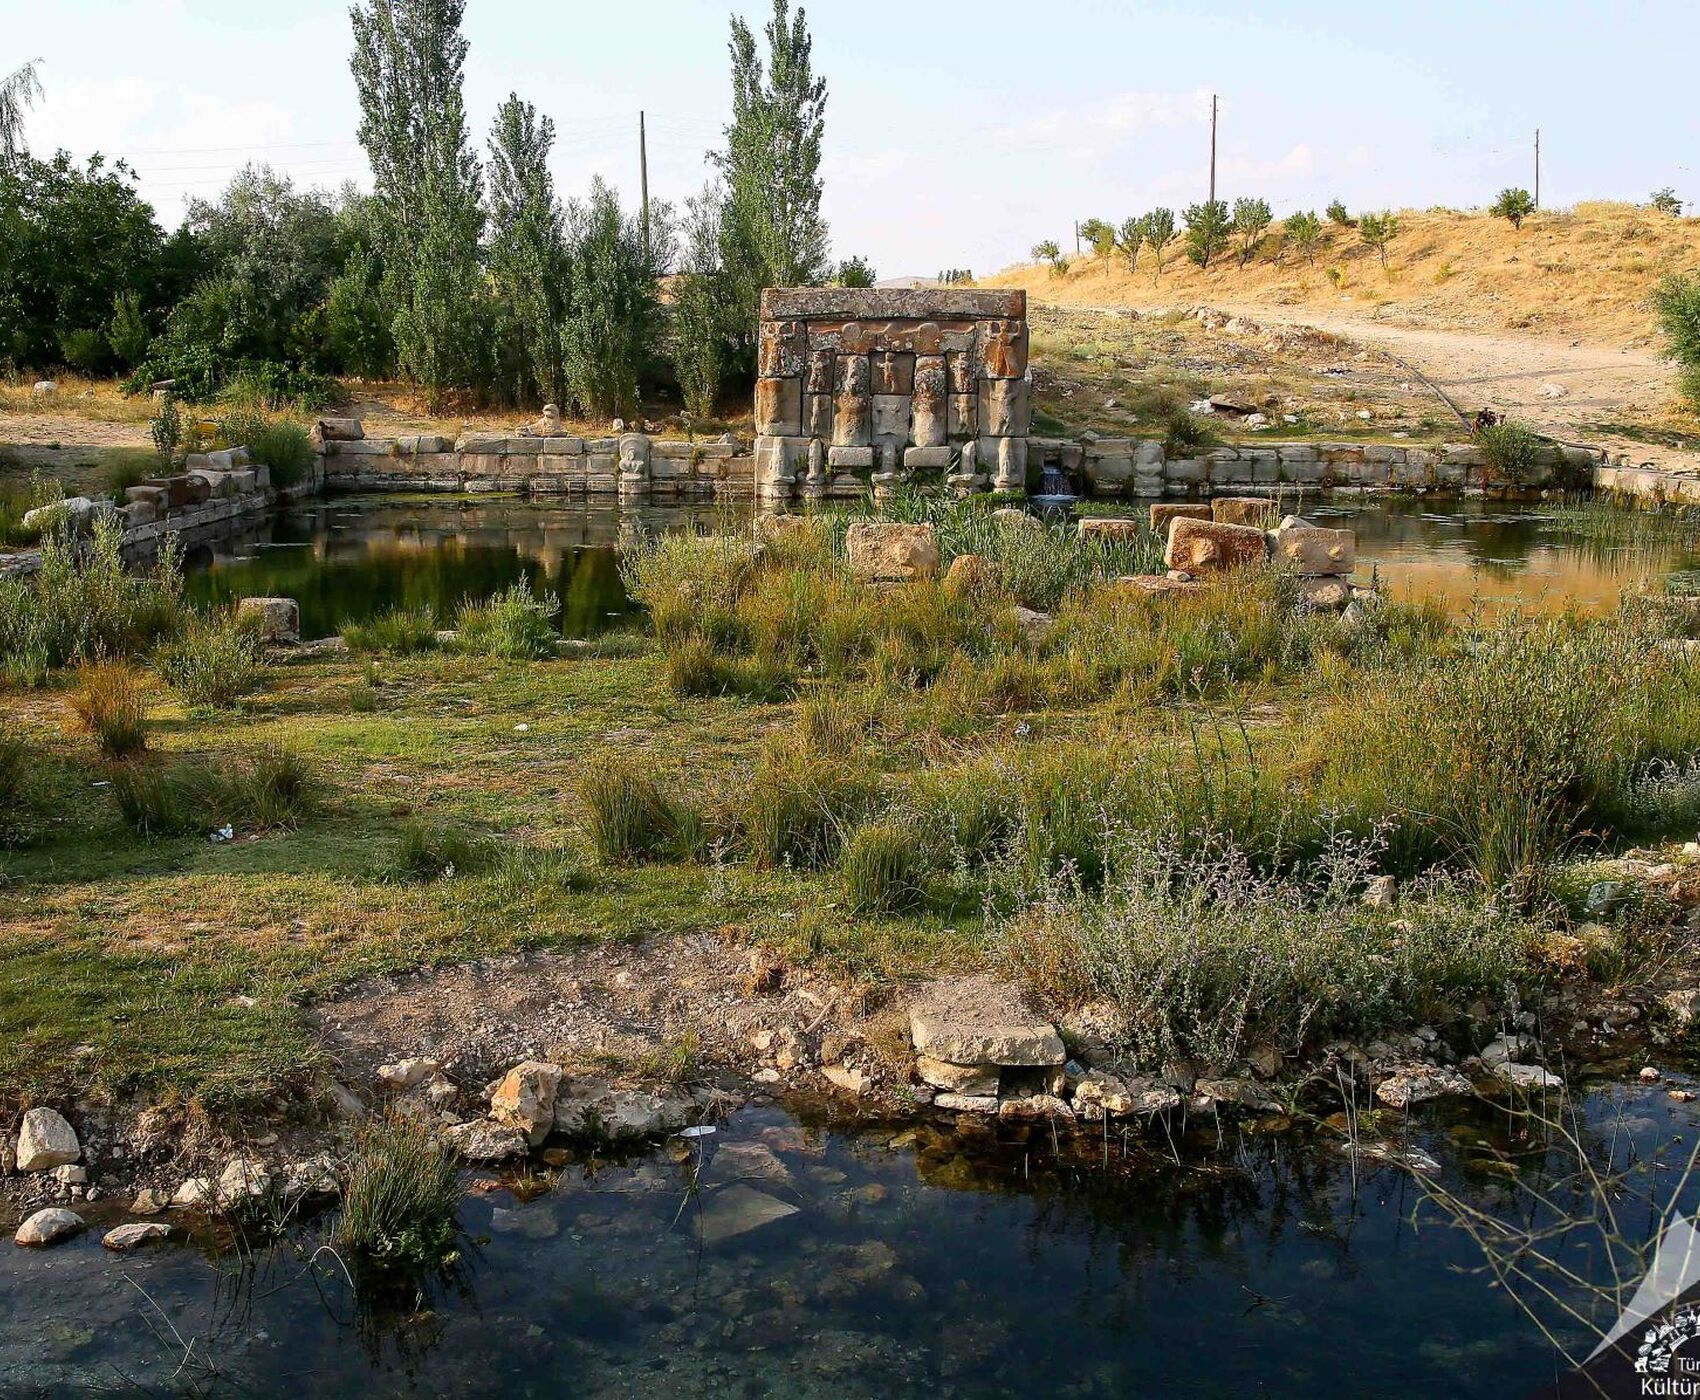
(215, 661)
(514, 625)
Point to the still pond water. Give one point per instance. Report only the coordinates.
(347, 558)
(887, 1261)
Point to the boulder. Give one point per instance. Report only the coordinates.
(847, 1079)
(192, 1194)
(133, 1236)
(1161, 515)
(1243, 510)
(404, 1074)
(480, 1140)
(980, 1020)
(1308, 549)
(241, 1181)
(967, 1103)
(340, 430)
(525, 1099)
(1105, 1091)
(277, 621)
(48, 1227)
(1109, 529)
(971, 573)
(1528, 1076)
(1419, 1084)
(883, 551)
(77, 514)
(1210, 546)
(1325, 594)
(1158, 585)
(46, 1141)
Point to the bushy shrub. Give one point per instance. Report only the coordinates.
(1187, 435)
(1510, 450)
(1676, 300)
(695, 670)
(399, 1195)
(110, 703)
(631, 816)
(214, 661)
(1513, 205)
(283, 446)
(689, 583)
(513, 625)
(83, 604)
(398, 632)
(883, 868)
(1337, 214)
(18, 499)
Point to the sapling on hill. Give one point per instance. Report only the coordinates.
(1378, 230)
(1338, 216)
(1102, 237)
(1251, 222)
(1514, 205)
(1304, 232)
(1129, 238)
(1207, 228)
(1159, 230)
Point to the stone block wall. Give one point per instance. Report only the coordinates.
(867, 387)
(631, 466)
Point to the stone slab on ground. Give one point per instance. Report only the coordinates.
(982, 1020)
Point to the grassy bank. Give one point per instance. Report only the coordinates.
(1174, 803)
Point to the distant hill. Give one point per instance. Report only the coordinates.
(1580, 274)
(907, 284)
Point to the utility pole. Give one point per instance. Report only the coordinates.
(643, 174)
(1077, 238)
(1212, 148)
(1537, 167)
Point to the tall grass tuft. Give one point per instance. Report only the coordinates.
(18, 499)
(883, 867)
(514, 625)
(399, 1196)
(631, 816)
(797, 807)
(436, 850)
(398, 632)
(110, 702)
(270, 790)
(214, 661)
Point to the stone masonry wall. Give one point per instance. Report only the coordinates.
(861, 387)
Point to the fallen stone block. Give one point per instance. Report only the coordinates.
(1110, 529)
(1309, 549)
(1213, 546)
(981, 1020)
(276, 621)
(45, 1141)
(340, 430)
(1161, 515)
(1243, 510)
(886, 552)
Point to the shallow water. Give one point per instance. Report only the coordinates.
(348, 558)
(915, 1262)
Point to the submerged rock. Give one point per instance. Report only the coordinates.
(1528, 1076)
(483, 1141)
(736, 1210)
(1419, 1084)
(48, 1227)
(134, 1235)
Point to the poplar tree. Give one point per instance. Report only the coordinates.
(408, 61)
(772, 232)
(614, 317)
(528, 261)
(19, 91)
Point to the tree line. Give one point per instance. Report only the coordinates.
(463, 270)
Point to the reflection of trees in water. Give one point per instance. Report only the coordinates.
(363, 559)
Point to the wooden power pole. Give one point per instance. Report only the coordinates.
(1212, 148)
(643, 177)
(1537, 167)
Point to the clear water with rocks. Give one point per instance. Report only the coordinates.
(790, 1257)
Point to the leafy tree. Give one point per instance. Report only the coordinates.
(1207, 227)
(1378, 230)
(528, 261)
(19, 91)
(1676, 300)
(1666, 202)
(1048, 252)
(1159, 229)
(1251, 221)
(72, 238)
(128, 332)
(856, 272)
(614, 317)
(703, 305)
(1130, 238)
(1513, 204)
(407, 64)
(1338, 216)
(357, 318)
(772, 232)
(1102, 237)
(1304, 232)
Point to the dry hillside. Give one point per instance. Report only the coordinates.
(1581, 274)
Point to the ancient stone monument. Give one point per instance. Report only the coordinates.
(863, 389)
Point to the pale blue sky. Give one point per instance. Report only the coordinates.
(957, 134)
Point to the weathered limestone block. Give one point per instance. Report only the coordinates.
(45, 1141)
(959, 372)
(1163, 514)
(339, 430)
(780, 349)
(957, 1079)
(1004, 410)
(819, 379)
(779, 407)
(1243, 510)
(276, 621)
(1309, 549)
(776, 460)
(422, 442)
(1158, 585)
(1325, 593)
(891, 418)
(817, 415)
(1186, 471)
(928, 458)
(482, 444)
(1009, 456)
(888, 304)
(76, 514)
(1211, 546)
(1109, 474)
(1110, 529)
(852, 409)
(929, 419)
(849, 458)
(893, 373)
(964, 420)
(980, 1020)
(1002, 349)
(883, 551)
(525, 1099)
